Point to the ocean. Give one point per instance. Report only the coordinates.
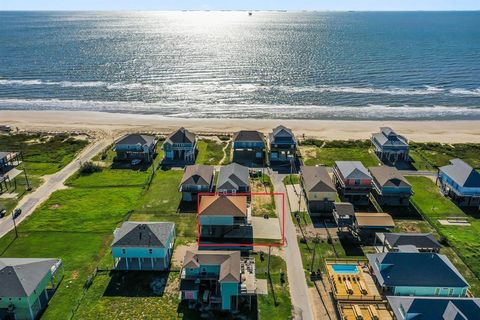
(303, 65)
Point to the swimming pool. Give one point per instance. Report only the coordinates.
(345, 268)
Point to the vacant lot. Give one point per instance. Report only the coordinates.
(263, 204)
(211, 152)
(428, 156)
(463, 239)
(331, 151)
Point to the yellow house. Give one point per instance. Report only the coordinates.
(319, 189)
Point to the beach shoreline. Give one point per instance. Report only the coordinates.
(92, 122)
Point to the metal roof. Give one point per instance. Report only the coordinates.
(388, 137)
(462, 173)
(415, 270)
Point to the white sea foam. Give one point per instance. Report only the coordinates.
(195, 110)
(210, 87)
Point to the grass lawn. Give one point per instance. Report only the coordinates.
(210, 152)
(21, 190)
(263, 204)
(439, 154)
(331, 151)
(463, 239)
(43, 154)
(266, 304)
(291, 179)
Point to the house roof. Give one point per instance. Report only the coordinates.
(134, 139)
(462, 173)
(441, 308)
(248, 135)
(352, 170)
(197, 175)
(344, 209)
(415, 269)
(389, 177)
(316, 179)
(3, 154)
(19, 277)
(419, 240)
(388, 137)
(282, 130)
(374, 219)
(233, 176)
(182, 135)
(229, 262)
(143, 234)
(223, 205)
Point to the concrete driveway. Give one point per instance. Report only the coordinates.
(266, 228)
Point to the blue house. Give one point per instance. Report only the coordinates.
(282, 144)
(441, 308)
(390, 188)
(217, 278)
(248, 147)
(389, 146)
(143, 245)
(220, 214)
(136, 146)
(417, 274)
(180, 146)
(26, 286)
(460, 182)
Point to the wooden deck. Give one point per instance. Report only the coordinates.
(364, 311)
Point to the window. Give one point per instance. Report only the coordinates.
(450, 292)
(437, 291)
(150, 251)
(124, 251)
(357, 182)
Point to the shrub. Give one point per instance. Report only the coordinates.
(89, 168)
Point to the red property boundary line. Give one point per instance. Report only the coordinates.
(281, 244)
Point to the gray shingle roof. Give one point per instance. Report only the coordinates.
(233, 176)
(388, 176)
(419, 240)
(182, 135)
(344, 209)
(415, 270)
(143, 234)
(284, 131)
(352, 170)
(316, 179)
(19, 277)
(134, 139)
(248, 135)
(200, 175)
(388, 137)
(462, 173)
(441, 308)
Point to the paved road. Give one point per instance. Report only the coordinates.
(52, 183)
(296, 274)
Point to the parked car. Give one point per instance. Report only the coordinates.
(3, 212)
(17, 213)
(136, 162)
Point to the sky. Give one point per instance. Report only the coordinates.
(342, 5)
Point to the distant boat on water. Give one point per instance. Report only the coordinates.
(250, 13)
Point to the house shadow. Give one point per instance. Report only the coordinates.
(126, 165)
(473, 212)
(351, 246)
(285, 167)
(137, 283)
(189, 207)
(409, 212)
(195, 311)
(401, 165)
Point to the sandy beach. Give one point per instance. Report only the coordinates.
(457, 131)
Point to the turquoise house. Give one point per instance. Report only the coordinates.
(26, 286)
(217, 278)
(417, 274)
(390, 188)
(460, 182)
(143, 245)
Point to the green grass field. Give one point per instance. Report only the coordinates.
(437, 154)
(462, 239)
(331, 151)
(210, 152)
